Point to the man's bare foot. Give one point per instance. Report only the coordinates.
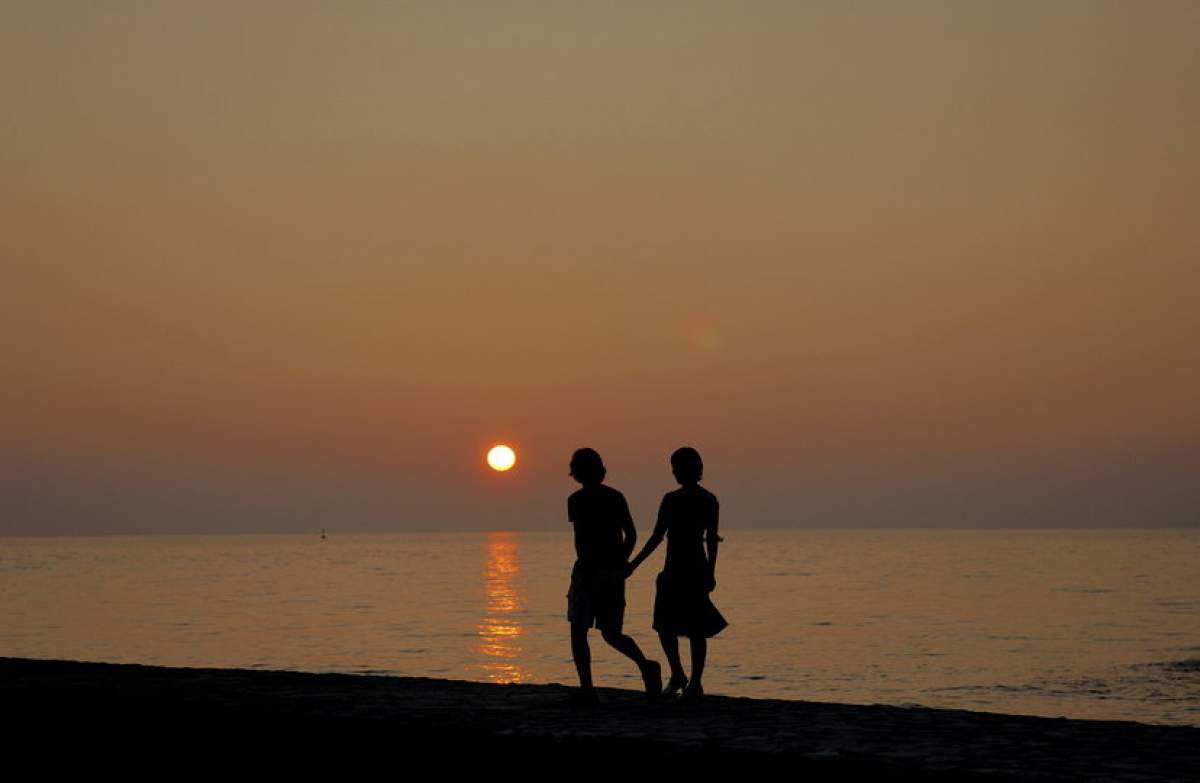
(583, 697)
(652, 677)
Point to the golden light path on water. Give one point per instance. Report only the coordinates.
(500, 631)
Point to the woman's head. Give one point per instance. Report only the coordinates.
(587, 467)
(686, 465)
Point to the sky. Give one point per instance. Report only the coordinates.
(278, 266)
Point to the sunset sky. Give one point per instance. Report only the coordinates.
(278, 266)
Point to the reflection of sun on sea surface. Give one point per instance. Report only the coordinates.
(500, 630)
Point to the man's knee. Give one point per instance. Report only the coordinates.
(612, 637)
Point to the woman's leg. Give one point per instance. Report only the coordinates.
(670, 645)
(699, 652)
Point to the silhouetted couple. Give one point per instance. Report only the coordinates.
(605, 537)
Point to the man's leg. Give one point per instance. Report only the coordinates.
(582, 655)
(651, 671)
(626, 646)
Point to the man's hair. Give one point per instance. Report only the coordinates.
(687, 464)
(587, 467)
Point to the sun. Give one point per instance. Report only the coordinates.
(501, 458)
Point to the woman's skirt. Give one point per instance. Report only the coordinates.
(682, 606)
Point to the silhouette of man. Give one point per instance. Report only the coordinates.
(604, 539)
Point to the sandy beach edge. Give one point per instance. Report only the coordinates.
(455, 721)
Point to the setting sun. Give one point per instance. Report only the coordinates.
(501, 458)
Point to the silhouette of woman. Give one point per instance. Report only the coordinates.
(687, 518)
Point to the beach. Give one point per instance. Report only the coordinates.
(233, 711)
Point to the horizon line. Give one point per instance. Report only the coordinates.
(565, 529)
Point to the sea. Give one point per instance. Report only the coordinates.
(1093, 624)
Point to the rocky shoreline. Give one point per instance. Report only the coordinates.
(452, 722)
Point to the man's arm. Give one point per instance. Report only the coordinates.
(574, 526)
(628, 531)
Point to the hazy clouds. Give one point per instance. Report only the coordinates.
(280, 265)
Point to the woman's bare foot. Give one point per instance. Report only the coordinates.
(675, 685)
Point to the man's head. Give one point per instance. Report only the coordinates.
(587, 467)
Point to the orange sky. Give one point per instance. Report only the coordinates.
(284, 265)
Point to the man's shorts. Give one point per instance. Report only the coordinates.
(597, 597)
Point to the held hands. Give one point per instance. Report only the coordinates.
(710, 582)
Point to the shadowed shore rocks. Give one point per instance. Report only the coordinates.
(338, 718)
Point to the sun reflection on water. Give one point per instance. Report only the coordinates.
(500, 628)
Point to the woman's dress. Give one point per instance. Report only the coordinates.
(682, 605)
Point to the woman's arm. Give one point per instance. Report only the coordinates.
(656, 538)
(712, 540)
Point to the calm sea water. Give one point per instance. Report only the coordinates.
(1086, 624)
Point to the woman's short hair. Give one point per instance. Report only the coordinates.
(587, 467)
(687, 464)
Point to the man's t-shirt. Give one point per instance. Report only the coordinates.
(600, 515)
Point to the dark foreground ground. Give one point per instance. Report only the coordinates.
(104, 715)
